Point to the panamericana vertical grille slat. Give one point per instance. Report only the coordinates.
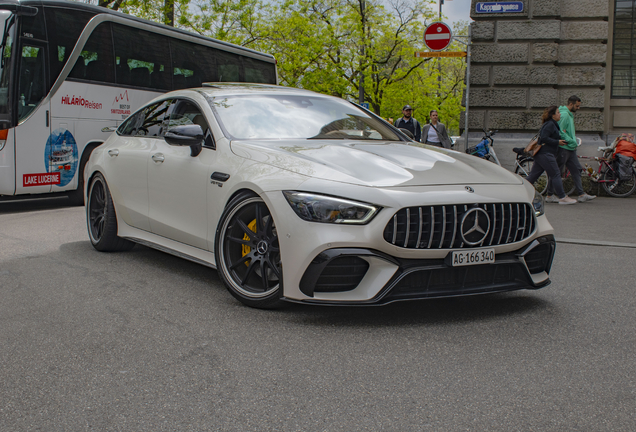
(439, 226)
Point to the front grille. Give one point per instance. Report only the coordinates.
(342, 274)
(459, 281)
(439, 226)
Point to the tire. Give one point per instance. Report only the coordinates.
(247, 252)
(523, 169)
(101, 219)
(618, 188)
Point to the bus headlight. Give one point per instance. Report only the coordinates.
(4, 133)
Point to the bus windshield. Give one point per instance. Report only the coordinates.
(7, 22)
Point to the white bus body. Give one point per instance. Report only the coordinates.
(53, 110)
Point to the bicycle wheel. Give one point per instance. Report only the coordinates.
(568, 182)
(618, 188)
(523, 169)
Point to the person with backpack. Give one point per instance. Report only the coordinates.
(409, 123)
(435, 133)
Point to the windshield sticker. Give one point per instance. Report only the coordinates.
(60, 155)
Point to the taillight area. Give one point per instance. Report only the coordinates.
(4, 133)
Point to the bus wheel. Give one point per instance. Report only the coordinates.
(101, 218)
(77, 196)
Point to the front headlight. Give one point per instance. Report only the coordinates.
(538, 204)
(327, 209)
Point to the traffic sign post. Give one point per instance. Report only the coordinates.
(438, 36)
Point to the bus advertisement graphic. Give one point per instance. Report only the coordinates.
(60, 155)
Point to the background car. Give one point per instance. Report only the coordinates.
(303, 197)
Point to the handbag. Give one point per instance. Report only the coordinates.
(533, 147)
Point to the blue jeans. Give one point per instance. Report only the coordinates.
(545, 161)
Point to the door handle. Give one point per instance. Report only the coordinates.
(158, 157)
(113, 152)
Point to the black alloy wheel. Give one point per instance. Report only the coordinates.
(101, 218)
(248, 253)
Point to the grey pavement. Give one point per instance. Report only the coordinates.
(144, 341)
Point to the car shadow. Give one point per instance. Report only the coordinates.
(452, 310)
(12, 205)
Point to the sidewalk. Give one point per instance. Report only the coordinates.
(606, 221)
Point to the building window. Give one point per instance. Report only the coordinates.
(624, 50)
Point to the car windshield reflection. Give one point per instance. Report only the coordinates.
(296, 117)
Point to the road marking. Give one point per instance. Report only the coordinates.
(596, 243)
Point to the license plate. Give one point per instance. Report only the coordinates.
(472, 257)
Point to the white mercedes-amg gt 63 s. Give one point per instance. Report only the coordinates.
(297, 196)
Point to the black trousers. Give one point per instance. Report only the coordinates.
(545, 161)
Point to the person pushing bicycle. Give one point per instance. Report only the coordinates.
(566, 154)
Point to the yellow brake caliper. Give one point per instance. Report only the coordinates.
(247, 249)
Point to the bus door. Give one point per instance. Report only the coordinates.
(39, 162)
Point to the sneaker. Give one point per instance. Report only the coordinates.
(567, 200)
(586, 197)
(552, 199)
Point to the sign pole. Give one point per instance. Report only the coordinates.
(467, 86)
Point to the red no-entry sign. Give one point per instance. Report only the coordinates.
(437, 36)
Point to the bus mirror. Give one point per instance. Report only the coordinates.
(18, 9)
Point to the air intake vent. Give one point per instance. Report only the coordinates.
(342, 274)
(440, 227)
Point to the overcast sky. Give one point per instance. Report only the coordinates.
(455, 10)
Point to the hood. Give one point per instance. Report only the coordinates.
(376, 164)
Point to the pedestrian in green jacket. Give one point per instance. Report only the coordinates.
(566, 155)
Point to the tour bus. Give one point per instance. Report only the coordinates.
(71, 72)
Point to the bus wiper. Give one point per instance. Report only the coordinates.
(7, 24)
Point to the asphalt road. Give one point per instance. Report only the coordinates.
(144, 341)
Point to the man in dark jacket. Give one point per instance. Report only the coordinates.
(409, 123)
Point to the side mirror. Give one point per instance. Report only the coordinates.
(408, 133)
(186, 135)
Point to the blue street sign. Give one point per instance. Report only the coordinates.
(499, 7)
(365, 105)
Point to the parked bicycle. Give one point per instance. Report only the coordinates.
(485, 149)
(606, 175)
(523, 165)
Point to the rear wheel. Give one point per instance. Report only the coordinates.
(248, 253)
(523, 169)
(616, 187)
(101, 218)
(568, 182)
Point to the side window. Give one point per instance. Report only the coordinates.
(96, 63)
(192, 64)
(147, 122)
(142, 58)
(64, 27)
(187, 113)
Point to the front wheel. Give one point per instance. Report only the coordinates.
(101, 218)
(248, 253)
(616, 187)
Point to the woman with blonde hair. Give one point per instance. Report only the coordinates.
(545, 158)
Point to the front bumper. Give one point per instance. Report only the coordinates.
(338, 276)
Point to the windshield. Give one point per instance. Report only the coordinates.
(7, 21)
(297, 117)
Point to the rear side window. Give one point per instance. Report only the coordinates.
(147, 122)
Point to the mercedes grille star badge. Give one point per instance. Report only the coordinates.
(475, 226)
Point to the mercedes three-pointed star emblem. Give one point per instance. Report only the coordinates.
(475, 226)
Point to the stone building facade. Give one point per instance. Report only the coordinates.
(525, 61)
